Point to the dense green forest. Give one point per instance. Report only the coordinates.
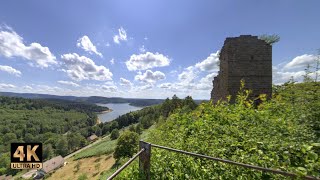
(281, 133)
(61, 125)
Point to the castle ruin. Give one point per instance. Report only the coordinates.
(248, 58)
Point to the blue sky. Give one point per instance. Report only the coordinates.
(143, 48)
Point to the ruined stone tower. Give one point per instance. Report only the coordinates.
(245, 57)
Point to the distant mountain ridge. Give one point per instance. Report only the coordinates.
(91, 99)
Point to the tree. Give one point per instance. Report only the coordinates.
(62, 147)
(114, 134)
(176, 101)
(270, 39)
(307, 77)
(98, 131)
(138, 128)
(317, 67)
(114, 125)
(48, 151)
(132, 128)
(188, 101)
(106, 128)
(8, 138)
(74, 140)
(127, 145)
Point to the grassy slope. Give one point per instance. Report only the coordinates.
(106, 146)
(88, 159)
(91, 167)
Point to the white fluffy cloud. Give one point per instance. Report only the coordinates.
(281, 75)
(145, 87)
(112, 61)
(188, 78)
(205, 83)
(11, 45)
(188, 75)
(211, 63)
(109, 88)
(86, 44)
(300, 61)
(146, 61)
(122, 36)
(166, 85)
(10, 70)
(6, 86)
(69, 83)
(82, 68)
(125, 82)
(27, 88)
(150, 77)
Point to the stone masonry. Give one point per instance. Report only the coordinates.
(248, 58)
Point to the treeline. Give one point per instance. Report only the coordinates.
(62, 126)
(149, 115)
(30, 104)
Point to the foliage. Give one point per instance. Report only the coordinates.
(83, 176)
(270, 39)
(114, 134)
(307, 76)
(147, 116)
(127, 145)
(282, 133)
(60, 125)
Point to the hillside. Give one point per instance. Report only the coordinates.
(283, 133)
(91, 99)
(61, 125)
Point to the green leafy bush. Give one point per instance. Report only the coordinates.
(114, 134)
(127, 145)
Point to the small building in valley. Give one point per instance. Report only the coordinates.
(49, 166)
(93, 137)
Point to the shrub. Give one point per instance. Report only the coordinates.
(127, 145)
(114, 134)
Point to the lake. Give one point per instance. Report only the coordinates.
(118, 109)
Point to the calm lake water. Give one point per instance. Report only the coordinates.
(117, 110)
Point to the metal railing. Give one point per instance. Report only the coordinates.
(145, 155)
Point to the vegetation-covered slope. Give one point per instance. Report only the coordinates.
(282, 133)
(61, 125)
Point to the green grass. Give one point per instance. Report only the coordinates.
(106, 146)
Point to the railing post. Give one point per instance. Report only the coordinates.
(144, 159)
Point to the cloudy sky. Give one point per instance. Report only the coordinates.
(143, 48)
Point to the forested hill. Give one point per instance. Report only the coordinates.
(282, 133)
(60, 124)
(91, 99)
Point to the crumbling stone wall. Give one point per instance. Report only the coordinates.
(245, 57)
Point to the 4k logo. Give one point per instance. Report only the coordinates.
(26, 155)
